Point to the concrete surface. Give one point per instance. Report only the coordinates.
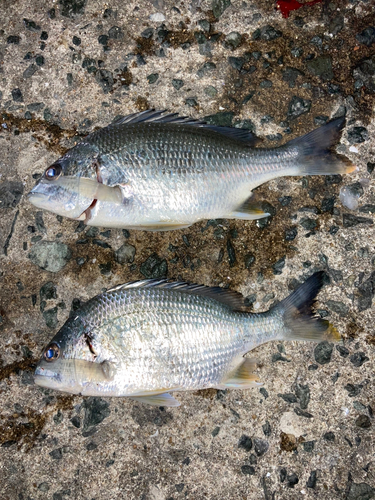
(67, 67)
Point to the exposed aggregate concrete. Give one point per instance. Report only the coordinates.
(68, 67)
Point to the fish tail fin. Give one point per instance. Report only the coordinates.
(299, 320)
(315, 155)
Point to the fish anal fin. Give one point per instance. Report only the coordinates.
(242, 377)
(164, 399)
(249, 210)
(162, 226)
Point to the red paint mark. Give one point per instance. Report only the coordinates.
(286, 6)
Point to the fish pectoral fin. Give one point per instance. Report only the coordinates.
(242, 377)
(251, 209)
(164, 399)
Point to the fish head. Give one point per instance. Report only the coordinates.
(73, 363)
(60, 188)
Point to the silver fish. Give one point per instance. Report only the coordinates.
(157, 171)
(149, 338)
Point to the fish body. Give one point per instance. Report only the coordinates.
(163, 172)
(147, 339)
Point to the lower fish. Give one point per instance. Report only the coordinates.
(156, 171)
(147, 339)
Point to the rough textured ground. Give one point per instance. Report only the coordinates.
(69, 66)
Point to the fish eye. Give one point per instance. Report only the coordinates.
(53, 172)
(52, 352)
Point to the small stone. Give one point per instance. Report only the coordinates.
(177, 84)
(43, 487)
(72, 8)
(154, 267)
(125, 254)
(44, 35)
(191, 101)
(266, 428)
(17, 95)
(292, 480)
(367, 36)
(265, 84)
(366, 293)
(91, 446)
(103, 39)
(290, 76)
(353, 389)
(311, 482)
(56, 454)
(266, 33)
(15, 39)
(279, 266)
(260, 446)
(357, 135)
(96, 410)
(219, 6)
(222, 119)
(210, 91)
(50, 255)
(115, 33)
(329, 436)
(303, 395)
(205, 25)
(358, 358)
(296, 52)
(236, 62)
(298, 107)
(350, 220)
(360, 491)
(50, 317)
(207, 68)
(215, 432)
(308, 224)
(370, 167)
(248, 470)
(76, 40)
(105, 80)
(249, 260)
(363, 422)
(323, 352)
(288, 397)
(245, 442)
(39, 60)
(152, 78)
(31, 25)
(322, 67)
(343, 351)
(308, 446)
(291, 233)
(10, 194)
(233, 40)
(338, 307)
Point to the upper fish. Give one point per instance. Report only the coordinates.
(149, 338)
(157, 171)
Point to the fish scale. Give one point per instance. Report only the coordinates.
(145, 339)
(162, 172)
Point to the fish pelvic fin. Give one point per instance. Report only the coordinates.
(164, 399)
(315, 153)
(300, 322)
(242, 376)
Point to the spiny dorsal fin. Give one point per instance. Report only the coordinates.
(228, 297)
(154, 116)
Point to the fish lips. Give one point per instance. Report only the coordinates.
(55, 197)
(51, 377)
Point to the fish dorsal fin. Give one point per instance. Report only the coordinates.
(232, 299)
(154, 116)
